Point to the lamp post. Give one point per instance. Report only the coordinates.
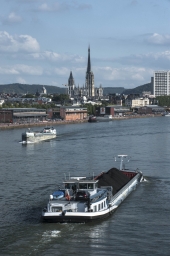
(66, 85)
(4, 116)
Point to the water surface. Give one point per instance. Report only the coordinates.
(30, 173)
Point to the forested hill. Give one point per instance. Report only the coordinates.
(121, 90)
(30, 88)
(112, 90)
(138, 90)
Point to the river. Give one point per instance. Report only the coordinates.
(30, 173)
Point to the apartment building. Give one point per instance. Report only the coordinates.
(161, 85)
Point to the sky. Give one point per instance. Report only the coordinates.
(41, 41)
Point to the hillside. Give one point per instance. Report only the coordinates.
(107, 90)
(32, 89)
(29, 89)
(138, 90)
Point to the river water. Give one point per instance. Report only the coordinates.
(29, 174)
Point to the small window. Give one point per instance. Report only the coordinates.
(68, 186)
(82, 185)
(57, 209)
(90, 186)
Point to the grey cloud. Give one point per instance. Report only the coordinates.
(158, 39)
(12, 18)
(160, 60)
(134, 2)
(57, 6)
(21, 69)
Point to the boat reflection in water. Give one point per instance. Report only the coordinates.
(100, 118)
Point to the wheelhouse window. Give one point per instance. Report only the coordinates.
(56, 209)
(68, 185)
(86, 186)
(82, 185)
(90, 186)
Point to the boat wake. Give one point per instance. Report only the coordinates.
(24, 142)
(53, 233)
(48, 235)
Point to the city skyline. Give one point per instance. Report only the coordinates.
(42, 41)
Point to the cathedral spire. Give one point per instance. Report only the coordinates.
(71, 75)
(89, 62)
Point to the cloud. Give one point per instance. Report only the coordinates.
(45, 7)
(56, 57)
(9, 43)
(62, 71)
(84, 6)
(47, 55)
(57, 7)
(30, 70)
(159, 60)
(12, 19)
(158, 39)
(21, 69)
(134, 2)
(20, 80)
(8, 71)
(124, 74)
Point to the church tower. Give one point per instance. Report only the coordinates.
(71, 85)
(89, 83)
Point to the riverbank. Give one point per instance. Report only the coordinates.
(39, 124)
(60, 122)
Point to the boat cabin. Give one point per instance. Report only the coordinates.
(75, 184)
(80, 194)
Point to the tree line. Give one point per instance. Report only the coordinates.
(163, 101)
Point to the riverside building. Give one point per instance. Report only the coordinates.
(161, 83)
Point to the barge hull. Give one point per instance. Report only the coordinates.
(38, 138)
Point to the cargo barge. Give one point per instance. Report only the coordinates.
(84, 199)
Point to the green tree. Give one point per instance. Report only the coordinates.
(91, 109)
(60, 97)
(163, 101)
(7, 105)
(104, 103)
(29, 95)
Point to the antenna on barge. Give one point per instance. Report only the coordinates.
(65, 176)
(122, 166)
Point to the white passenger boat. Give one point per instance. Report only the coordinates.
(167, 115)
(83, 199)
(35, 136)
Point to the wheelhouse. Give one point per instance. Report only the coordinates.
(81, 183)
